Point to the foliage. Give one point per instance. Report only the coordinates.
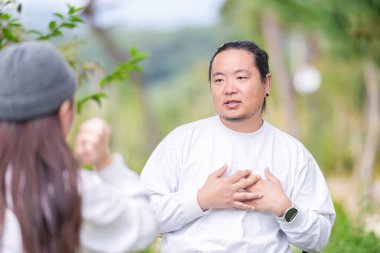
(346, 33)
(10, 28)
(350, 26)
(70, 21)
(12, 31)
(120, 74)
(350, 237)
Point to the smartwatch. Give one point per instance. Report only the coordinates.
(290, 213)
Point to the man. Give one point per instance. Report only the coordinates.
(268, 191)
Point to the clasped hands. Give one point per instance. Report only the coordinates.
(245, 191)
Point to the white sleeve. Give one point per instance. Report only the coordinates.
(115, 210)
(11, 240)
(310, 230)
(173, 208)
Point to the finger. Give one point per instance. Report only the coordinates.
(244, 196)
(219, 172)
(239, 175)
(78, 151)
(269, 175)
(246, 182)
(242, 205)
(96, 125)
(88, 137)
(93, 130)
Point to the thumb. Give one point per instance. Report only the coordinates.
(220, 172)
(269, 175)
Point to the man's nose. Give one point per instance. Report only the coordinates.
(230, 87)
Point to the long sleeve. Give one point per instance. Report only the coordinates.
(11, 241)
(311, 228)
(160, 177)
(115, 210)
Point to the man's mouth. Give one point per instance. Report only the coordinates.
(231, 104)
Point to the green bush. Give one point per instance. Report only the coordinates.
(349, 236)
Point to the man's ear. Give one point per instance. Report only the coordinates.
(66, 116)
(268, 78)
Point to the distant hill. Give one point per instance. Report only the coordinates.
(170, 53)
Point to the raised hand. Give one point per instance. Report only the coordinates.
(274, 199)
(92, 143)
(227, 192)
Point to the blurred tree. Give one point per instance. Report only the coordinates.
(117, 53)
(348, 29)
(12, 31)
(351, 28)
(258, 21)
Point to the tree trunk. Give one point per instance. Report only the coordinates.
(365, 166)
(272, 36)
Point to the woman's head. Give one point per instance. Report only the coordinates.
(38, 173)
(35, 81)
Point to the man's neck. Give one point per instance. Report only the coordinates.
(244, 125)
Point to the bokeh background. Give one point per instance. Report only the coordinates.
(324, 58)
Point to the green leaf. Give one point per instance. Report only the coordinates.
(71, 9)
(76, 19)
(52, 25)
(5, 16)
(68, 25)
(35, 32)
(14, 25)
(59, 15)
(107, 80)
(134, 51)
(44, 37)
(80, 8)
(97, 97)
(8, 34)
(89, 167)
(57, 33)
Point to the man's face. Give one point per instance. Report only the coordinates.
(236, 86)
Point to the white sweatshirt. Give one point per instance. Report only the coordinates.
(115, 212)
(181, 163)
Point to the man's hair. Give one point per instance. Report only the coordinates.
(260, 57)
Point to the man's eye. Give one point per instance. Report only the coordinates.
(218, 80)
(242, 77)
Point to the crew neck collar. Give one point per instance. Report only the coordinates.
(230, 131)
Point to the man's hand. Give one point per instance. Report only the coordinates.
(274, 199)
(92, 143)
(227, 192)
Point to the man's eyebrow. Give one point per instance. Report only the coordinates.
(242, 71)
(217, 73)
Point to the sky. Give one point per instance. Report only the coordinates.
(132, 14)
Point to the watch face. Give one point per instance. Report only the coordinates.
(291, 214)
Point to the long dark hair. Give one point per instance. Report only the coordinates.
(39, 174)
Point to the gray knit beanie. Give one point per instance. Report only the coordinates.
(34, 81)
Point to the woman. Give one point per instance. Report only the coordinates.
(46, 203)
